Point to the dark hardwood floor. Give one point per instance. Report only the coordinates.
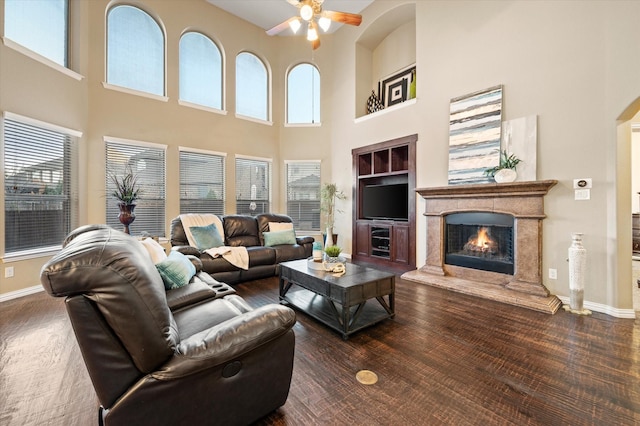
(445, 359)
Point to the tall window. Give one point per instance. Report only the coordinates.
(253, 193)
(252, 87)
(39, 25)
(147, 162)
(200, 70)
(40, 202)
(303, 95)
(303, 194)
(201, 182)
(135, 50)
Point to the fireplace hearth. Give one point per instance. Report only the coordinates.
(486, 240)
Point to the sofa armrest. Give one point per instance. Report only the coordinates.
(187, 250)
(227, 340)
(303, 239)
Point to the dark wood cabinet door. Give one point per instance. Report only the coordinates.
(362, 238)
(400, 244)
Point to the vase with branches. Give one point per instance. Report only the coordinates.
(329, 193)
(126, 190)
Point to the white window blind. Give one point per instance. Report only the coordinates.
(200, 70)
(252, 87)
(253, 193)
(148, 164)
(39, 25)
(303, 194)
(40, 202)
(201, 183)
(135, 50)
(303, 95)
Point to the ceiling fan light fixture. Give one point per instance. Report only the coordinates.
(295, 25)
(324, 23)
(306, 12)
(312, 33)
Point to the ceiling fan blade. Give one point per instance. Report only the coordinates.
(316, 43)
(295, 3)
(343, 17)
(281, 26)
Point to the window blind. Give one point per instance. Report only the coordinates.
(303, 194)
(40, 193)
(252, 87)
(135, 50)
(200, 70)
(303, 95)
(148, 164)
(201, 183)
(253, 194)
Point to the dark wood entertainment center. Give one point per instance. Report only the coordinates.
(381, 240)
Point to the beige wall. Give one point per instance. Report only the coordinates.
(32, 89)
(573, 67)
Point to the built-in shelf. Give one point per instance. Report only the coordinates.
(385, 241)
(385, 111)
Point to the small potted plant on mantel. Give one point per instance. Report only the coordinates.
(505, 171)
(328, 196)
(126, 191)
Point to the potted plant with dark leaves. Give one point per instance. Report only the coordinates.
(126, 190)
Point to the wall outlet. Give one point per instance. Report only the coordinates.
(8, 272)
(553, 274)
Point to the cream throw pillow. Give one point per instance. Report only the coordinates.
(280, 226)
(155, 250)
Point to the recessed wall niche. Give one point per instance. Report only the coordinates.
(387, 46)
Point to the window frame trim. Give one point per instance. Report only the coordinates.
(35, 122)
(14, 45)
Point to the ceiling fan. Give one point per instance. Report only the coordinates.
(312, 14)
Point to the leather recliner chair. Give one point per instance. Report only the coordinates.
(216, 362)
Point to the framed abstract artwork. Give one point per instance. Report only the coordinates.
(396, 88)
(475, 123)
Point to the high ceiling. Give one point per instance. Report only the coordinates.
(269, 13)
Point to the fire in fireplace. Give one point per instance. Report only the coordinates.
(480, 240)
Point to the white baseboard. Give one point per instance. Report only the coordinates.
(604, 309)
(19, 293)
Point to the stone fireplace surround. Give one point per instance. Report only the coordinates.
(525, 202)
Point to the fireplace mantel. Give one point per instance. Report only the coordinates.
(525, 202)
(511, 189)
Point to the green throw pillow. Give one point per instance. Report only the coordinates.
(206, 237)
(277, 238)
(176, 270)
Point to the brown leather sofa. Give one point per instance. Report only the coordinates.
(195, 355)
(242, 230)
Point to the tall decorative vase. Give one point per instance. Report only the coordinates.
(577, 274)
(329, 237)
(126, 216)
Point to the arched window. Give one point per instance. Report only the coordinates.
(135, 50)
(40, 26)
(303, 95)
(252, 88)
(200, 70)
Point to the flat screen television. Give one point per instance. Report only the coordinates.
(386, 201)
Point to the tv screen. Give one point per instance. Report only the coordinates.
(389, 201)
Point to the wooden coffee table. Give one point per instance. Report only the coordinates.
(339, 302)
